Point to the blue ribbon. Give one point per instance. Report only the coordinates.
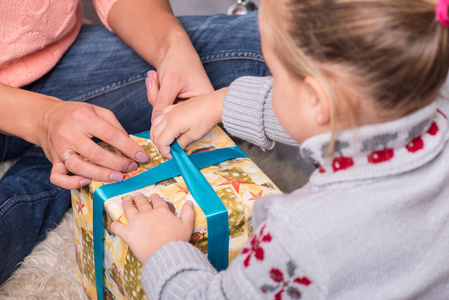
(214, 209)
(188, 166)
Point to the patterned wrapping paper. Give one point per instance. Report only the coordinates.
(237, 182)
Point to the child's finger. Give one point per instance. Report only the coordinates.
(157, 201)
(188, 214)
(156, 127)
(118, 228)
(166, 95)
(141, 202)
(158, 137)
(184, 140)
(168, 108)
(128, 208)
(164, 140)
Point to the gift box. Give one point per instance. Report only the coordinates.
(234, 178)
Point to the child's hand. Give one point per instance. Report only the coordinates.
(187, 121)
(152, 225)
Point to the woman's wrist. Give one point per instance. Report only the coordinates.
(149, 27)
(23, 112)
(176, 39)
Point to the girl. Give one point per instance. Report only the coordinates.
(355, 83)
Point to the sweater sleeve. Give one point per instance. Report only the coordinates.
(103, 7)
(248, 113)
(267, 266)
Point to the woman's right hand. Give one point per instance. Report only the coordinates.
(65, 130)
(66, 133)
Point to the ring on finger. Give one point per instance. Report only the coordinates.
(65, 156)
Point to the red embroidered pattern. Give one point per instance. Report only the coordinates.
(342, 163)
(255, 247)
(381, 156)
(285, 285)
(433, 130)
(415, 145)
(321, 169)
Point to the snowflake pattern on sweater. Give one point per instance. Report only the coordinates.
(287, 284)
(256, 247)
(284, 282)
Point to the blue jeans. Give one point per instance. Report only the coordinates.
(100, 69)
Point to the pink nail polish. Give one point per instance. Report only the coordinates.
(155, 115)
(132, 166)
(148, 83)
(142, 157)
(117, 177)
(85, 181)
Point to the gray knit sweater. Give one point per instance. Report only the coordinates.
(372, 223)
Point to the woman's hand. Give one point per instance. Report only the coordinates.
(67, 133)
(152, 225)
(180, 75)
(186, 121)
(65, 130)
(151, 29)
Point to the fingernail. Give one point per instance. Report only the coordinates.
(155, 115)
(189, 202)
(150, 74)
(142, 156)
(137, 194)
(85, 181)
(148, 83)
(117, 177)
(132, 166)
(126, 198)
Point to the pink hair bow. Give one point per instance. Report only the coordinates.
(441, 12)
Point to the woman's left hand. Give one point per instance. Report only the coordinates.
(152, 224)
(151, 29)
(180, 75)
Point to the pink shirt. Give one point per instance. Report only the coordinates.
(34, 35)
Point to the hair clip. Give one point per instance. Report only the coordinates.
(441, 12)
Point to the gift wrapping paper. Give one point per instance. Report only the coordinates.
(238, 183)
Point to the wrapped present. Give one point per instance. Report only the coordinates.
(234, 179)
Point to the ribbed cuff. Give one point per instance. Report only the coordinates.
(248, 113)
(170, 263)
(243, 109)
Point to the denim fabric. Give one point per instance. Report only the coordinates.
(102, 70)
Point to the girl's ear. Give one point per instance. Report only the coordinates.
(319, 100)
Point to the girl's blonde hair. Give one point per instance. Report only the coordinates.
(396, 51)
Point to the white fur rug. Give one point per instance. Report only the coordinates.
(49, 271)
